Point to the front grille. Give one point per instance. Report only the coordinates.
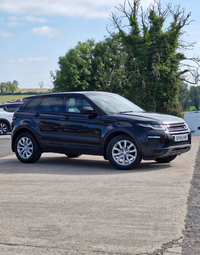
(177, 128)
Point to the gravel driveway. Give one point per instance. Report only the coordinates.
(85, 207)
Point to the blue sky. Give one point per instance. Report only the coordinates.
(34, 34)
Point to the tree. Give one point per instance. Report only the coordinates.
(41, 84)
(2, 87)
(13, 87)
(184, 96)
(74, 68)
(92, 66)
(195, 96)
(16, 83)
(154, 54)
(108, 66)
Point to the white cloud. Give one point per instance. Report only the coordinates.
(4, 33)
(44, 31)
(19, 21)
(14, 24)
(72, 8)
(32, 18)
(27, 60)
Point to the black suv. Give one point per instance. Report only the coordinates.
(96, 123)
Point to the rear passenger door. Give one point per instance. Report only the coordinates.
(49, 121)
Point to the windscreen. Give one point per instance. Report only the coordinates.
(113, 103)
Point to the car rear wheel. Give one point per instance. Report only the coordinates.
(166, 160)
(27, 149)
(123, 153)
(3, 128)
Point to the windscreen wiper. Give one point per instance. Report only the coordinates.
(124, 112)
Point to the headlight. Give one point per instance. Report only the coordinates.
(152, 126)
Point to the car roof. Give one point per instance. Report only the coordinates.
(70, 93)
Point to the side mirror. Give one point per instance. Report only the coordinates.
(87, 110)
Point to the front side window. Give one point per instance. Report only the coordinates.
(51, 104)
(76, 103)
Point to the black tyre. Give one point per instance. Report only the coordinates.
(27, 149)
(166, 160)
(73, 155)
(123, 153)
(3, 128)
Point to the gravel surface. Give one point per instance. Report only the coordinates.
(187, 244)
(191, 243)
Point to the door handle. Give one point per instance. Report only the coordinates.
(36, 114)
(65, 117)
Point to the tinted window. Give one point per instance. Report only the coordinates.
(51, 104)
(32, 104)
(12, 108)
(75, 103)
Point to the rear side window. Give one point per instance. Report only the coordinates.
(32, 104)
(51, 104)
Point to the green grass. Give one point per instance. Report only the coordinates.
(25, 93)
(6, 98)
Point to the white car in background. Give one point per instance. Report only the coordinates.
(6, 113)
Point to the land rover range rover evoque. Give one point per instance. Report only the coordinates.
(96, 123)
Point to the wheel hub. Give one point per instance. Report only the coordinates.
(124, 152)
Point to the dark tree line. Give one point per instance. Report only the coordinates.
(189, 97)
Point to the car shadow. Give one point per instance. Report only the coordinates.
(62, 165)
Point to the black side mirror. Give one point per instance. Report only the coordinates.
(87, 110)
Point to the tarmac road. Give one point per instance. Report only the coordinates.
(84, 206)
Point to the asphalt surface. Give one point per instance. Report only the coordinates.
(85, 207)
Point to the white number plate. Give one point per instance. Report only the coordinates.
(180, 138)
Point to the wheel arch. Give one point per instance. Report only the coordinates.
(20, 131)
(115, 133)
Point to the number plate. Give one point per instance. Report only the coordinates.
(180, 138)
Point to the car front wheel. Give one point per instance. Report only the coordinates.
(3, 128)
(123, 153)
(27, 149)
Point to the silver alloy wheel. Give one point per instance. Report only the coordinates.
(3, 128)
(124, 152)
(25, 147)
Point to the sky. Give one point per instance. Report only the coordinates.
(34, 34)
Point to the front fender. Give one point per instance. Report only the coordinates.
(117, 128)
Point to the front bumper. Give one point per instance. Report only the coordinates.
(164, 145)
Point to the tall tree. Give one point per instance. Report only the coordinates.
(108, 66)
(92, 66)
(74, 68)
(154, 54)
